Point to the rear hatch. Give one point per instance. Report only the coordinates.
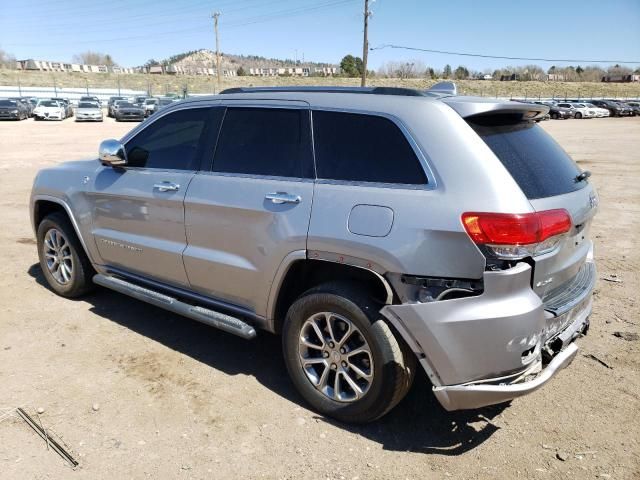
(550, 179)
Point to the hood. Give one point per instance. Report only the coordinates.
(130, 110)
(49, 109)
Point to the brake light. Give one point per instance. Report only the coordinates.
(517, 235)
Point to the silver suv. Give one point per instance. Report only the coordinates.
(374, 229)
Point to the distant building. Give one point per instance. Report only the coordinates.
(621, 78)
(555, 77)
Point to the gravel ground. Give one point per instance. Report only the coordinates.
(135, 392)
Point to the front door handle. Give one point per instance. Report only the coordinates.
(167, 187)
(283, 197)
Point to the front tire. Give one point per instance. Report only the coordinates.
(342, 357)
(578, 115)
(63, 260)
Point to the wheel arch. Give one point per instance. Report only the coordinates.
(298, 274)
(44, 205)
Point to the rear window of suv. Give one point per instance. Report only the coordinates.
(535, 161)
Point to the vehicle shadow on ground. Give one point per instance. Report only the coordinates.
(417, 424)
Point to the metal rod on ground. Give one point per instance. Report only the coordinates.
(365, 44)
(50, 441)
(215, 16)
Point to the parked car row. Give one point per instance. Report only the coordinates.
(89, 108)
(564, 109)
(136, 108)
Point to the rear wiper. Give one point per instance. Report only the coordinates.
(582, 176)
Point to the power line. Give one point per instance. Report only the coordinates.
(573, 60)
(194, 31)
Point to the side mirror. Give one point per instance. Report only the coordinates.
(111, 152)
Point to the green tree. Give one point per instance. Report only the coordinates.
(431, 73)
(461, 73)
(446, 72)
(241, 72)
(351, 66)
(579, 70)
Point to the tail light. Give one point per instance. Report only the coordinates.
(517, 235)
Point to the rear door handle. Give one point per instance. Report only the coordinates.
(283, 197)
(167, 187)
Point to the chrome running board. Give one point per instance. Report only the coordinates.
(212, 318)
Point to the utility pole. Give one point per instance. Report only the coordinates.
(365, 43)
(215, 16)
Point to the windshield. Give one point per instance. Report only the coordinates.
(125, 105)
(48, 103)
(87, 105)
(535, 161)
(150, 101)
(8, 103)
(165, 101)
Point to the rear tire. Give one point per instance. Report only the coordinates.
(64, 263)
(578, 115)
(378, 377)
(554, 116)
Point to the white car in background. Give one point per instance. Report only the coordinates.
(88, 112)
(49, 110)
(600, 112)
(581, 110)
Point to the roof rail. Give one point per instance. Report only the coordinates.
(407, 92)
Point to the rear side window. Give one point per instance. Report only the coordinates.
(363, 148)
(535, 161)
(265, 141)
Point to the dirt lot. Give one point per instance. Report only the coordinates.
(176, 399)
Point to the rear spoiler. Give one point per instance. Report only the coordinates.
(466, 107)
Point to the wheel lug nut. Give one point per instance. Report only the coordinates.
(343, 351)
(325, 354)
(344, 364)
(331, 344)
(333, 366)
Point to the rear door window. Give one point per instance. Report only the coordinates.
(363, 148)
(535, 161)
(265, 141)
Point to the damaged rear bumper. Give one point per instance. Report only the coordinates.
(460, 397)
(488, 349)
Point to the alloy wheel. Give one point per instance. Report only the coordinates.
(335, 357)
(58, 257)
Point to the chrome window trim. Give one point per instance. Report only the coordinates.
(258, 177)
(422, 157)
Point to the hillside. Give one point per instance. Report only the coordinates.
(207, 59)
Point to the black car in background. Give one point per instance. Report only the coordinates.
(12, 109)
(635, 107)
(26, 103)
(127, 111)
(111, 103)
(560, 113)
(615, 110)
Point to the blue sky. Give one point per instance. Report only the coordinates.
(133, 31)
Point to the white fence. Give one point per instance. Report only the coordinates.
(72, 94)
